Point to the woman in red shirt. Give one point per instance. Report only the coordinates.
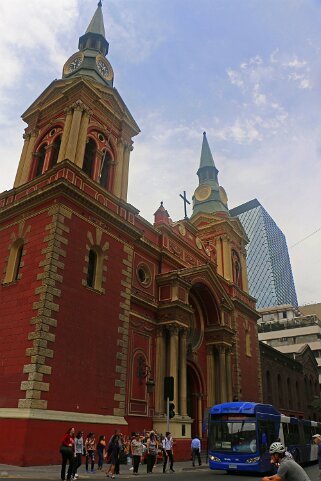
(67, 453)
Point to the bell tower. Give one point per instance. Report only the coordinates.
(225, 239)
(81, 118)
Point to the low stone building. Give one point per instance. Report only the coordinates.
(290, 382)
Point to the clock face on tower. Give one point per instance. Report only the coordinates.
(73, 63)
(104, 67)
(203, 192)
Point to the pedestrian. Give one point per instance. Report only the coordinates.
(79, 451)
(317, 439)
(151, 448)
(167, 445)
(67, 453)
(137, 449)
(90, 447)
(196, 450)
(101, 451)
(113, 454)
(288, 469)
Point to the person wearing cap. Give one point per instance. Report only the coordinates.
(167, 445)
(288, 469)
(317, 439)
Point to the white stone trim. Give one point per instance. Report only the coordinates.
(47, 415)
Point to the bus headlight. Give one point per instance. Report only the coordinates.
(214, 458)
(253, 460)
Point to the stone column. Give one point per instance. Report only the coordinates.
(221, 350)
(26, 138)
(29, 157)
(74, 131)
(65, 136)
(200, 415)
(228, 374)
(118, 168)
(81, 145)
(182, 373)
(210, 366)
(160, 370)
(218, 245)
(124, 186)
(173, 360)
(227, 261)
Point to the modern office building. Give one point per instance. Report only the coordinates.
(268, 263)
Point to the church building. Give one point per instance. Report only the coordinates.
(98, 305)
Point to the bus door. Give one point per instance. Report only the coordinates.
(268, 432)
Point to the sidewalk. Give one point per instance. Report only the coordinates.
(53, 472)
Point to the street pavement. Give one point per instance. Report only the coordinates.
(183, 471)
(53, 471)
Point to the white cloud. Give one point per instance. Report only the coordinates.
(295, 63)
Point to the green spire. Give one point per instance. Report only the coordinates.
(97, 22)
(207, 169)
(93, 47)
(209, 197)
(206, 154)
(94, 37)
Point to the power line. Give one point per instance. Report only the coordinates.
(305, 238)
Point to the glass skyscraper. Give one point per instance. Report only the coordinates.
(268, 263)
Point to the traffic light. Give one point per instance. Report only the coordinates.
(171, 410)
(169, 388)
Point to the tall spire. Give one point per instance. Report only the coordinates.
(206, 154)
(209, 197)
(94, 38)
(97, 22)
(93, 47)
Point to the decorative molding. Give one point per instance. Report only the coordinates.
(48, 415)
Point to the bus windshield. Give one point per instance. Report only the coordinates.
(232, 436)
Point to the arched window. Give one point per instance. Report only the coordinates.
(92, 268)
(237, 270)
(268, 387)
(280, 390)
(89, 157)
(289, 388)
(298, 397)
(248, 342)
(55, 151)
(14, 262)
(40, 160)
(95, 268)
(105, 167)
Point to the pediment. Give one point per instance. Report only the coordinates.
(65, 92)
(220, 224)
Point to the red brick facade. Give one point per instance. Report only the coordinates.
(97, 304)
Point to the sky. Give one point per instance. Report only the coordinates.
(248, 72)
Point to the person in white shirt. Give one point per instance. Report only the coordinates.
(167, 445)
(196, 450)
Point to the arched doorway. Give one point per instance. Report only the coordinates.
(194, 395)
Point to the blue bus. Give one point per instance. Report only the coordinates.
(240, 433)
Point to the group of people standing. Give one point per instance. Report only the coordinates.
(73, 448)
(136, 448)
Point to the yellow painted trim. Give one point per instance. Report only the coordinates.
(47, 415)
